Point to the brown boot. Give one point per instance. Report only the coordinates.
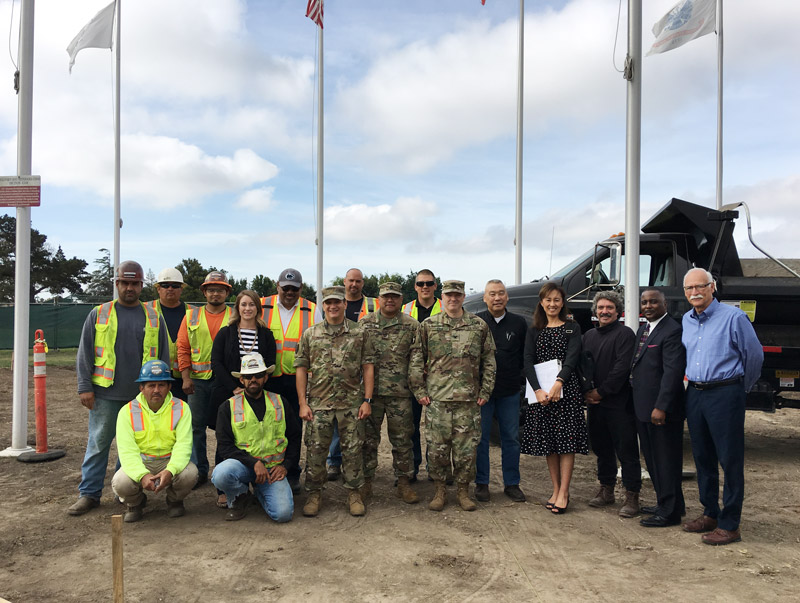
(313, 503)
(463, 497)
(604, 496)
(631, 506)
(405, 492)
(366, 490)
(357, 508)
(439, 497)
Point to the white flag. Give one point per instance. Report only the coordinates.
(688, 19)
(96, 34)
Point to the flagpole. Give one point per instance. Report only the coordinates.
(117, 150)
(719, 104)
(320, 169)
(520, 90)
(22, 268)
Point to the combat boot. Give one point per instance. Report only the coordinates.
(631, 506)
(313, 503)
(439, 497)
(366, 490)
(463, 497)
(604, 496)
(405, 492)
(357, 508)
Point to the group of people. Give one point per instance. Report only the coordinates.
(258, 371)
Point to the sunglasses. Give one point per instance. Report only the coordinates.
(170, 285)
(289, 288)
(426, 283)
(255, 376)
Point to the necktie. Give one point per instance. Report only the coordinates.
(642, 339)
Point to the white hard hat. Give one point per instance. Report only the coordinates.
(169, 275)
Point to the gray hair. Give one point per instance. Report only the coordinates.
(708, 275)
(611, 296)
(495, 281)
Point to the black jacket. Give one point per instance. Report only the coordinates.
(612, 348)
(509, 338)
(568, 363)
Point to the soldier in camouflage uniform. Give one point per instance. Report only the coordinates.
(452, 373)
(332, 358)
(393, 334)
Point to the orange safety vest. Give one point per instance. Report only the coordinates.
(286, 342)
(369, 304)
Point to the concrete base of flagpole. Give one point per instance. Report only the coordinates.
(41, 457)
(15, 451)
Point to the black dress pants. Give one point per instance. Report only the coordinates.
(612, 435)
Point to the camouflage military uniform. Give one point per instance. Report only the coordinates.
(333, 355)
(453, 363)
(393, 339)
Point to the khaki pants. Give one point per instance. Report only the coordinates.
(130, 492)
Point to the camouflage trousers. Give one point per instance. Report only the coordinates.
(452, 427)
(319, 433)
(400, 425)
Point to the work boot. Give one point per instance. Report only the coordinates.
(334, 472)
(313, 503)
(463, 497)
(631, 506)
(238, 507)
(176, 509)
(83, 505)
(357, 508)
(439, 497)
(366, 490)
(604, 496)
(405, 492)
(135, 513)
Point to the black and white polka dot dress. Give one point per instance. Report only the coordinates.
(559, 427)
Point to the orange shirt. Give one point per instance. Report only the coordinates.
(214, 321)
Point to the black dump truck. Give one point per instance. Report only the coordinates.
(680, 236)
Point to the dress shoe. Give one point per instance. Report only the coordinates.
(658, 521)
(482, 492)
(83, 505)
(649, 509)
(719, 537)
(514, 493)
(704, 523)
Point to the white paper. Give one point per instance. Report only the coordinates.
(546, 373)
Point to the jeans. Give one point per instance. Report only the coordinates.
(335, 450)
(234, 479)
(102, 429)
(506, 409)
(200, 405)
(286, 387)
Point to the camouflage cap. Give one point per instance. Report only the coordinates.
(333, 293)
(216, 278)
(452, 287)
(390, 288)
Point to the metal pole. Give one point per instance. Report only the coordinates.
(22, 270)
(320, 173)
(117, 150)
(719, 104)
(633, 152)
(520, 90)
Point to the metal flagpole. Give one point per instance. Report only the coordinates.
(22, 270)
(719, 104)
(320, 172)
(520, 89)
(633, 153)
(117, 151)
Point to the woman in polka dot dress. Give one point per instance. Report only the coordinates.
(555, 426)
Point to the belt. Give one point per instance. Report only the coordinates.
(703, 385)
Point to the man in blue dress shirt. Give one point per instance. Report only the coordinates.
(723, 361)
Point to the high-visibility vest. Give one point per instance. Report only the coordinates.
(286, 343)
(369, 304)
(264, 440)
(105, 336)
(173, 345)
(411, 309)
(155, 432)
(200, 340)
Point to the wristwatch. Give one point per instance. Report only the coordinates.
(368, 401)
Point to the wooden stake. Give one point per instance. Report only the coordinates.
(116, 558)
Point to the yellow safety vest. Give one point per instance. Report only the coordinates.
(155, 432)
(200, 340)
(105, 336)
(286, 344)
(173, 345)
(264, 440)
(411, 309)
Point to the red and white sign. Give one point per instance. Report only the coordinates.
(20, 191)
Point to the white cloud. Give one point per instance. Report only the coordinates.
(403, 220)
(257, 199)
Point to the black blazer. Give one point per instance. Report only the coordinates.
(568, 363)
(657, 374)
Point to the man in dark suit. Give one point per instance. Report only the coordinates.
(657, 370)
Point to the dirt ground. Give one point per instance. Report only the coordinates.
(397, 552)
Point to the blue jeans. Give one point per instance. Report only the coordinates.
(335, 449)
(200, 405)
(506, 409)
(234, 479)
(102, 429)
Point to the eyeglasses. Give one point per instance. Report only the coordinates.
(170, 285)
(289, 288)
(426, 283)
(255, 376)
(698, 287)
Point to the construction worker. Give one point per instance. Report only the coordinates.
(169, 305)
(118, 337)
(288, 316)
(357, 307)
(425, 306)
(154, 440)
(195, 339)
(251, 438)
(393, 333)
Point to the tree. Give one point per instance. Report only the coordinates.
(149, 291)
(263, 285)
(50, 271)
(101, 280)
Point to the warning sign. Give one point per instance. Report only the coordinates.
(20, 191)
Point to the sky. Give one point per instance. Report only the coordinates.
(218, 131)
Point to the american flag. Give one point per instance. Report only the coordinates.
(314, 11)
